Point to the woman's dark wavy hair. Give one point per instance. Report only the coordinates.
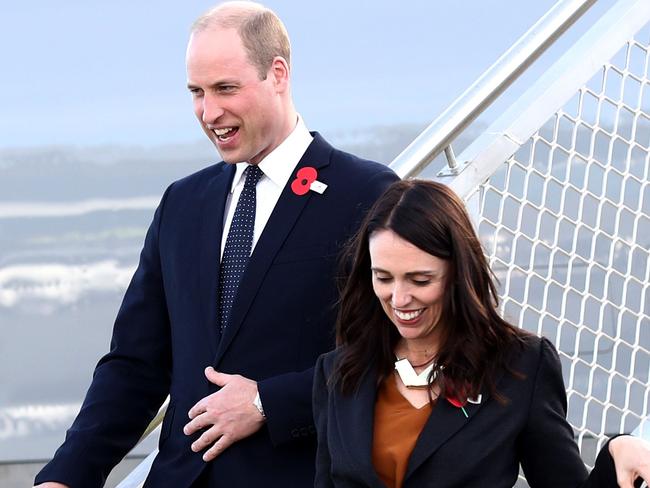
(476, 341)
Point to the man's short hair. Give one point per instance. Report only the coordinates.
(262, 32)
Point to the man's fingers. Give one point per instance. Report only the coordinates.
(644, 469)
(627, 479)
(221, 445)
(645, 475)
(224, 417)
(631, 457)
(213, 376)
(199, 422)
(206, 439)
(197, 409)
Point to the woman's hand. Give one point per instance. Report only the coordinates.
(631, 458)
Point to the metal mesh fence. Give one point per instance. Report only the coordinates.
(566, 225)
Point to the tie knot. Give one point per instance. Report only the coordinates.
(253, 175)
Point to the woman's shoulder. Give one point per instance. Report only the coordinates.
(328, 361)
(531, 351)
(325, 370)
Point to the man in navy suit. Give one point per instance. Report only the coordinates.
(240, 387)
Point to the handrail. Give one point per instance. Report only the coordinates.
(550, 91)
(466, 108)
(135, 479)
(157, 420)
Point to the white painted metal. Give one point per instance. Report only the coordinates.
(488, 87)
(563, 185)
(559, 84)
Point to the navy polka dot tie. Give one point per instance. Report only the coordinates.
(239, 244)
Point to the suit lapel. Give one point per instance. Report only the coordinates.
(355, 420)
(212, 212)
(445, 420)
(355, 415)
(282, 219)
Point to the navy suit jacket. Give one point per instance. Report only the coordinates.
(166, 331)
(481, 451)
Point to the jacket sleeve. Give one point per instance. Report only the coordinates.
(604, 473)
(129, 383)
(287, 405)
(548, 453)
(320, 402)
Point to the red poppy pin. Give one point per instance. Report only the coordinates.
(306, 180)
(456, 403)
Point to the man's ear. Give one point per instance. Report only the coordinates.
(280, 73)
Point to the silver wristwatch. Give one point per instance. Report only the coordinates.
(258, 404)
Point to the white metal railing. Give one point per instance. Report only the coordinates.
(560, 188)
(136, 478)
(462, 112)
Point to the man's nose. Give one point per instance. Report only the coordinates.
(212, 110)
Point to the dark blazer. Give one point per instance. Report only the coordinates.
(482, 451)
(166, 331)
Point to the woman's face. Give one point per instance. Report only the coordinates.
(410, 284)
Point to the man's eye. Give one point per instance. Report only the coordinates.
(195, 92)
(227, 88)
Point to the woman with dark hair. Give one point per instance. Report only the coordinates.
(429, 386)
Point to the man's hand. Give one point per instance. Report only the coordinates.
(51, 484)
(631, 458)
(228, 415)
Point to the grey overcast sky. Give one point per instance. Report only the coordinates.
(86, 72)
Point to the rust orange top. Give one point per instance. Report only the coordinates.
(397, 427)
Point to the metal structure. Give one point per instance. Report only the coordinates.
(565, 220)
(439, 135)
(560, 184)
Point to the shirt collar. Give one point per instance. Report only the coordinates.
(279, 163)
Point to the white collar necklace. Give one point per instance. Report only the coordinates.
(410, 378)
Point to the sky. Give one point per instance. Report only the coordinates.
(89, 73)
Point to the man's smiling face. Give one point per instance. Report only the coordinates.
(240, 113)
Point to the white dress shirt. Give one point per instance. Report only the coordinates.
(277, 167)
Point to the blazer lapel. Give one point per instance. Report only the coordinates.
(214, 202)
(445, 420)
(281, 221)
(355, 416)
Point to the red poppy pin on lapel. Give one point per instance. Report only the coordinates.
(458, 404)
(306, 180)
